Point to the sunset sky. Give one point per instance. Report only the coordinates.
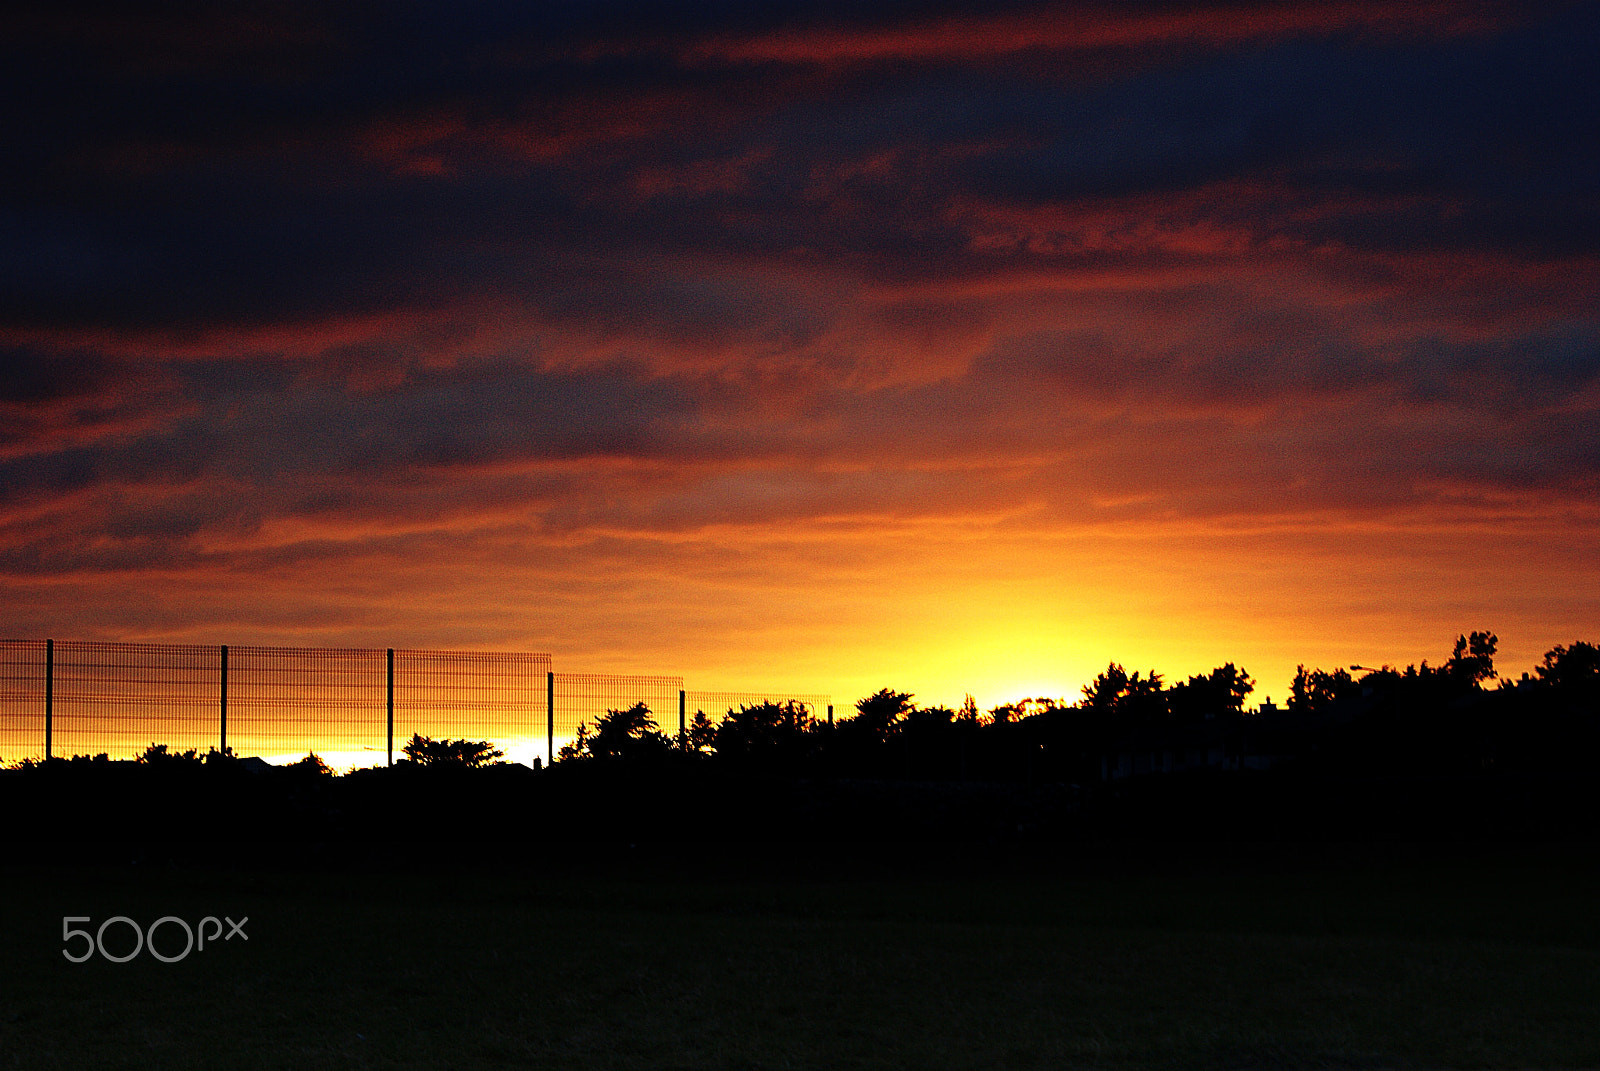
(954, 348)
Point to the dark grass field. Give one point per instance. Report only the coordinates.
(1147, 955)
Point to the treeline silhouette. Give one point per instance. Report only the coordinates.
(891, 737)
(1456, 716)
(1452, 750)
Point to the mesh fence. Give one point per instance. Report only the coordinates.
(474, 695)
(21, 699)
(284, 702)
(583, 697)
(119, 698)
(280, 703)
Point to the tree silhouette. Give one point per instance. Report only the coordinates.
(579, 746)
(1233, 685)
(928, 719)
(879, 713)
(158, 755)
(1004, 714)
(1218, 694)
(426, 751)
(1314, 690)
(1472, 661)
(1577, 666)
(629, 733)
(1103, 693)
(702, 734)
(1125, 701)
(763, 728)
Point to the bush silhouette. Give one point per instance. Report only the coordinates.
(629, 733)
(763, 728)
(702, 734)
(426, 751)
(880, 713)
(159, 755)
(1577, 666)
(313, 765)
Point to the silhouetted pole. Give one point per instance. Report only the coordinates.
(550, 715)
(49, 692)
(683, 736)
(390, 700)
(222, 720)
(829, 744)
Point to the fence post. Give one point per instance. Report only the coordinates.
(222, 734)
(830, 715)
(683, 735)
(389, 690)
(49, 692)
(550, 716)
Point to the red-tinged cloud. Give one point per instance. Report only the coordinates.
(1086, 28)
(445, 140)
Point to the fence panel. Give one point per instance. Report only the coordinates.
(583, 697)
(119, 698)
(497, 696)
(286, 701)
(21, 699)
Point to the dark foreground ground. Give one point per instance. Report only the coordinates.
(566, 953)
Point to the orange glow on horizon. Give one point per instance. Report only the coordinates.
(1001, 613)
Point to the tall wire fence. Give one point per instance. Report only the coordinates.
(583, 697)
(22, 697)
(352, 706)
(285, 701)
(119, 698)
(474, 695)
